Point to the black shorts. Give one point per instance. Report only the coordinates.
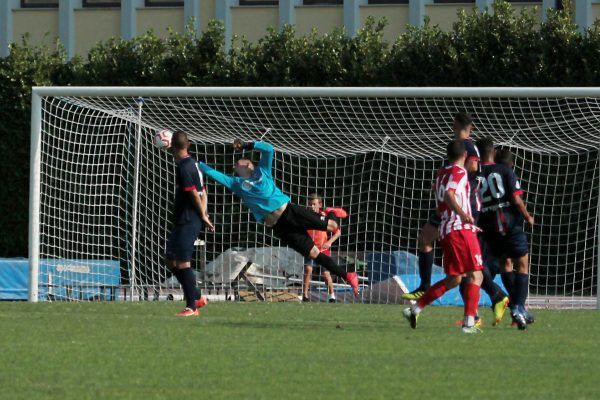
(181, 241)
(292, 226)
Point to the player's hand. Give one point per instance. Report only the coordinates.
(529, 220)
(208, 224)
(326, 246)
(238, 145)
(468, 219)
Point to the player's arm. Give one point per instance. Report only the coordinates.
(336, 235)
(200, 205)
(515, 193)
(220, 177)
(266, 152)
(450, 200)
(518, 201)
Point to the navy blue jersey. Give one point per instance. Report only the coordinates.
(499, 184)
(187, 178)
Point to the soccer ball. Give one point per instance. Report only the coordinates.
(162, 139)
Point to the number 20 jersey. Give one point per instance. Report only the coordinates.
(498, 183)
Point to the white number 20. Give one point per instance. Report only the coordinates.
(494, 185)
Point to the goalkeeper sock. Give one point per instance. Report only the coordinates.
(328, 263)
(425, 267)
(189, 287)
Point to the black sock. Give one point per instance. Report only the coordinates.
(462, 288)
(508, 278)
(425, 267)
(189, 287)
(521, 288)
(491, 288)
(329, 264)
(178, 275)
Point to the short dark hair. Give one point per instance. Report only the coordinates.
(485, 147)
(504, 156)
(455, 150)
(314, 196)
(462, 120)
(180, 141)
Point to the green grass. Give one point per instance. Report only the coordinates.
(304, 351)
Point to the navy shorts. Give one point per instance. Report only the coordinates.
(511, 244)
(180, 245)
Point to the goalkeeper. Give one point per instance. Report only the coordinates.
(269, 206)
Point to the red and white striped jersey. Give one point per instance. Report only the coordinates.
(452, 178)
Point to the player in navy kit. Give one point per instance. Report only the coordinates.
(501, 219)
(189, 218)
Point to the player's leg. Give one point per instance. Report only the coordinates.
(518, 251)
(452, 268)
(179, 254)
(427, 236)
(471, 300)
(291, 229)
(329, 282)
(308, 269)
(432, 293)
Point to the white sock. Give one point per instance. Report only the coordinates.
(469, 320)
(416, 309)
(332, 296)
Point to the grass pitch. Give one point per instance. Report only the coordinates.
(277, 351)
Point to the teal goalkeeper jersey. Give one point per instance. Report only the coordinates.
(258, 192)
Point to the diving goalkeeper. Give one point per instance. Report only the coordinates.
(269, 206)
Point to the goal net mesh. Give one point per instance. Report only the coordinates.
(374, 156)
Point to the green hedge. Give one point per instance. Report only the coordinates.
(504, 49)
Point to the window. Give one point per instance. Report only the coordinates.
(321, 2)
(163, 3)
(259, 2)
(39, 3)
(101, 3)
(388, 1)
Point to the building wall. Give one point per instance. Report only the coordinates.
(324, 18)
(396, 15)
(252, 22)
(41, 24)
(445, 15)
(159, 20)
(92, 26)
(595, 11)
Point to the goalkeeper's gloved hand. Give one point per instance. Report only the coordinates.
(239, 145)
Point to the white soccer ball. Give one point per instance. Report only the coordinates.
(162, 139)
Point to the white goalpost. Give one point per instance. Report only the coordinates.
(101, 193)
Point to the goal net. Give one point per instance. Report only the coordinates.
(101, 193)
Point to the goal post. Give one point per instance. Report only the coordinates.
(100, 193)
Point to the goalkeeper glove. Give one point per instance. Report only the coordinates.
(239, 145)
